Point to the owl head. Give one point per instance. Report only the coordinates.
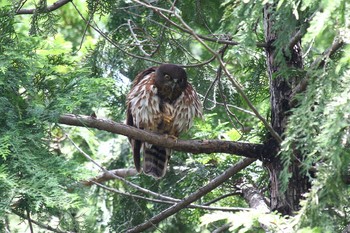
(171, 81)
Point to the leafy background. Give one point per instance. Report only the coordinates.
(54, 63)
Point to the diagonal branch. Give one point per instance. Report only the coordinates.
(50, 8)
(221, 39)
(194, 196)
(39, 224)
(318, 63)
(249, 150)
(234, 82)
(192, 206)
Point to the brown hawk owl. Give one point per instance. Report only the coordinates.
(160, 101)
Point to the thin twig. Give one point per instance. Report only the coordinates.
(111, 41)
(87, 24)
(107, 38)
(154, 7)
(105, 176)
(192, 206)
(221, 197)
(29, 221)
(41, 225)
(137, 42)
(229, 105)
(223, 97)
(319, 62)
(207, 38)
(21, 4)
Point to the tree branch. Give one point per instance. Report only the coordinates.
(194, 196)
(234, 82)
(50, 8)
(221, 197)
(319, 62)
(253, 197)
(110, 175)
(193, 206)
(44, 226)
(221, 39)
(249, 150)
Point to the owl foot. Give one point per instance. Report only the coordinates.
(171, 136)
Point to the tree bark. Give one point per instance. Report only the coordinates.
(286, 202)
(250, 150)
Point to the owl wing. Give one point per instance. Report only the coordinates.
(135, 144)
(141, 106)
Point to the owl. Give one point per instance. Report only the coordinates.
(160, 101)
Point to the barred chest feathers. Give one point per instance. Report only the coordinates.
(147, 107)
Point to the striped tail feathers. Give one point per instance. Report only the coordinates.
(155, 160)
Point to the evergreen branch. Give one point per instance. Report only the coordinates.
(50, 8)
(41, 225)
(249, 150)
(192, 206)
(318, 63)
(234, 82)
(219, 39)
(107, 38)
(194, 196)
(300, 33)
(295, 39)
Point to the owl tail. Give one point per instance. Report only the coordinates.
(155, 161)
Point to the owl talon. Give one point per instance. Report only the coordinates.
(171, 136)
(168, 119)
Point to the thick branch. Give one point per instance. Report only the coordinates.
(254, 197)
(50, 8)
(249, 150)
(194, 196)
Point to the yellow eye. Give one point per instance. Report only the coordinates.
(167, 77)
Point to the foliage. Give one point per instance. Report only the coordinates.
(82, 57)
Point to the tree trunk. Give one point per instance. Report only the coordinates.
(280, 93)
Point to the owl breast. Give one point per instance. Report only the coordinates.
(148, 109)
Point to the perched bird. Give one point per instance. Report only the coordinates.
(163, 102)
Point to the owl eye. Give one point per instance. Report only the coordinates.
(167, 77)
